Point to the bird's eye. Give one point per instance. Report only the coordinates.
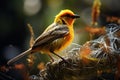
(68, 15)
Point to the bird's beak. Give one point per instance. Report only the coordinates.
(76, 16)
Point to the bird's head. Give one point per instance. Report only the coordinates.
(66, 17)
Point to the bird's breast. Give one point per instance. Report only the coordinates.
(62, 43)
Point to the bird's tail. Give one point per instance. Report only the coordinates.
(19, 56)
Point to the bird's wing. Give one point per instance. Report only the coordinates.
(56, 32)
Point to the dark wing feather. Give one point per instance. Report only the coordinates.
(58, 31)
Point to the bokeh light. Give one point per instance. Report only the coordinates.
(32, 7)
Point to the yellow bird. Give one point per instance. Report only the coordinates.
(55, 38)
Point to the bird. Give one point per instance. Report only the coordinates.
(55, 38)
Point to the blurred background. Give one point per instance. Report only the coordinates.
(16, 14)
